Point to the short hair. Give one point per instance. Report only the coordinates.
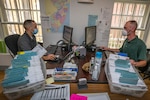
(133, 22)
(27, 23)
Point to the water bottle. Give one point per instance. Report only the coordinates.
(96, 70)
(98, 59)
(95, 73)
(92, 63)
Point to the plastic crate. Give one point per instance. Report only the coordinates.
(17, 92)
(131, 90)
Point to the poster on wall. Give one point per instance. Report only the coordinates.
(59, 14)
(103, 26)
(92, 20)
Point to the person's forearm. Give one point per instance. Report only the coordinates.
(113, 50)
(110, 49)
(140, 63)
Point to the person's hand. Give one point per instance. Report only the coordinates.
(133, 63)
(49, 57)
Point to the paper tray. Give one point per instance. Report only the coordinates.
(17, 92)
(132, 90)
(64, 75)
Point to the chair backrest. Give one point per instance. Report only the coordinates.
(12, 43)
(143, 69)
(148, 60)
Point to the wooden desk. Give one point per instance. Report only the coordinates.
(92, 88)
(80, 62)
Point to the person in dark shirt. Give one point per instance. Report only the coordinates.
(28, 40)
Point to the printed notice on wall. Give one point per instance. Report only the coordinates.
(45, 20)
(106, 13)
(103, 26)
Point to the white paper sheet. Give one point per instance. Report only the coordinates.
(96, 96)
(50, 71)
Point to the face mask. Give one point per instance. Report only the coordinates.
(35, 31)
(124, 32)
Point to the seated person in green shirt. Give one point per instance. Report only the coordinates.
(133, 46)
(28, 40)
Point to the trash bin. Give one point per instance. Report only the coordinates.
(2, 47)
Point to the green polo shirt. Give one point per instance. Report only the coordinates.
(136, 49)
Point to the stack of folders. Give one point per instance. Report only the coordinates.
(125, 75)
(25, 69)
(124, 71)
(122, 63)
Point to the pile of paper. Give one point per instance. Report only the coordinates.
(25, 69)
(53, 92)
(122, 72)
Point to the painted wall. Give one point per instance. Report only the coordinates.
(147, 35)
(79, 20)
(5, 59)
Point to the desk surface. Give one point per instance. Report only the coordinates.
(80, 62)
(92, 88)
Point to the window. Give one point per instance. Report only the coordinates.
(15, 12)
(122, 12)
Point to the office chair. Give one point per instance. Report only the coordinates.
(11, 43)
(146, 70)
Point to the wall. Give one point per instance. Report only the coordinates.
(5, 59)
(147, 32)
(1, 31)
(79, 20)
